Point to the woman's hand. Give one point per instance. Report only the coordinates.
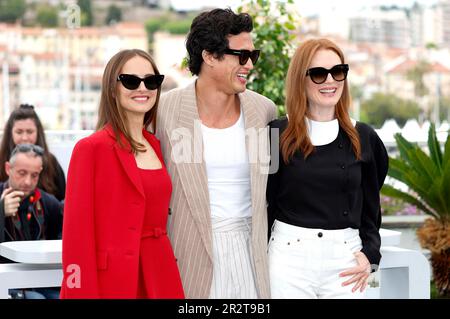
(360, 273)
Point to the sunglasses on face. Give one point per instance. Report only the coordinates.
(244, 55)
(319, 75)
(132, 82)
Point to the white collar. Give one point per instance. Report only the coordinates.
(322, 133)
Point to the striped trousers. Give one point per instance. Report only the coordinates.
(233, 274)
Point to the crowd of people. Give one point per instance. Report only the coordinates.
(170, 197)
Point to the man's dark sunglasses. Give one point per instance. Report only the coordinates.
(319, 75)
(244, 55)
(132, 82)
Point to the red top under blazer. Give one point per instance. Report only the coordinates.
(102, 232)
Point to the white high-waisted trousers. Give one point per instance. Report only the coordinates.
(306, 262)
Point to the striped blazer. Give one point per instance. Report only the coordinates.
(189, 226)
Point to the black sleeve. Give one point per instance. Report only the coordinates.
(274, 174)
(53, 217)
(373, 175)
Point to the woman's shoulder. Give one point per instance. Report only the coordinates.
(370, 140)
(365, 130)
(97, 139)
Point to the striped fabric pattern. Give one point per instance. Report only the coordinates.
(189, 226)
(233, 274)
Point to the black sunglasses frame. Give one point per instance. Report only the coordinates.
(244, 55)
(132, 82)
(338, 68)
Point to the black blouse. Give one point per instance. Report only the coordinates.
(331, 189)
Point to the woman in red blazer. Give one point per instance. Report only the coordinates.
(115, 243)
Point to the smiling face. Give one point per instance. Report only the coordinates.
(227, 74)
(141, 100)
(327, 94)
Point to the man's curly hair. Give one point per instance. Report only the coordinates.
(209, 31)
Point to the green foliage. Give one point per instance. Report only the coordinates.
(171, 22)
(431, 46)
(87, 18)
(273, 27)
(444, 109)
(47, 16)
(114, 14)
(416, 76)
(177, 26)
(428, 176)
(154, 24)
(393, 206)
(356, 92)
(381, 107)
(11, 10)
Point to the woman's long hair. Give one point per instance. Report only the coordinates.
(110, 112)
(295, 137)
(48, 174)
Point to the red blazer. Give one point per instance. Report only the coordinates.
(103, 217)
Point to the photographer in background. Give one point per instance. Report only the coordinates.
(27, 212)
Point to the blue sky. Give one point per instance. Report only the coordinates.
(305, 7)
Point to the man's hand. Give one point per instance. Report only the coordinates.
(11, 199)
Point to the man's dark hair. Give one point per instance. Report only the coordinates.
(209, 31)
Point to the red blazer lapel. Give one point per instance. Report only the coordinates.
(127, 160)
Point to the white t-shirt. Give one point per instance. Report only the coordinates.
(228, 170)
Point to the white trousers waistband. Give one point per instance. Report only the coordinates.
(281, 228)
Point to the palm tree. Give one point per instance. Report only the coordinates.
(428, 179)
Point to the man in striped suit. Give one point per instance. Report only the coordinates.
(214, 139)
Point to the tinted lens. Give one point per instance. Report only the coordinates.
(243, 57)
(153, 82)
(254, 56)
(246, 54)
(132, 82)
(318, 75)
(338, 72)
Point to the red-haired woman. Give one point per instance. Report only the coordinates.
(324, 205)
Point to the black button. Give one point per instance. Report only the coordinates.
(170, 211)
(340, 145)
(343, 166)
(345, 213)
(320, 234)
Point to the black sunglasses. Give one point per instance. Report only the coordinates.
(244, 55)
(132, 82)
(319, 75)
